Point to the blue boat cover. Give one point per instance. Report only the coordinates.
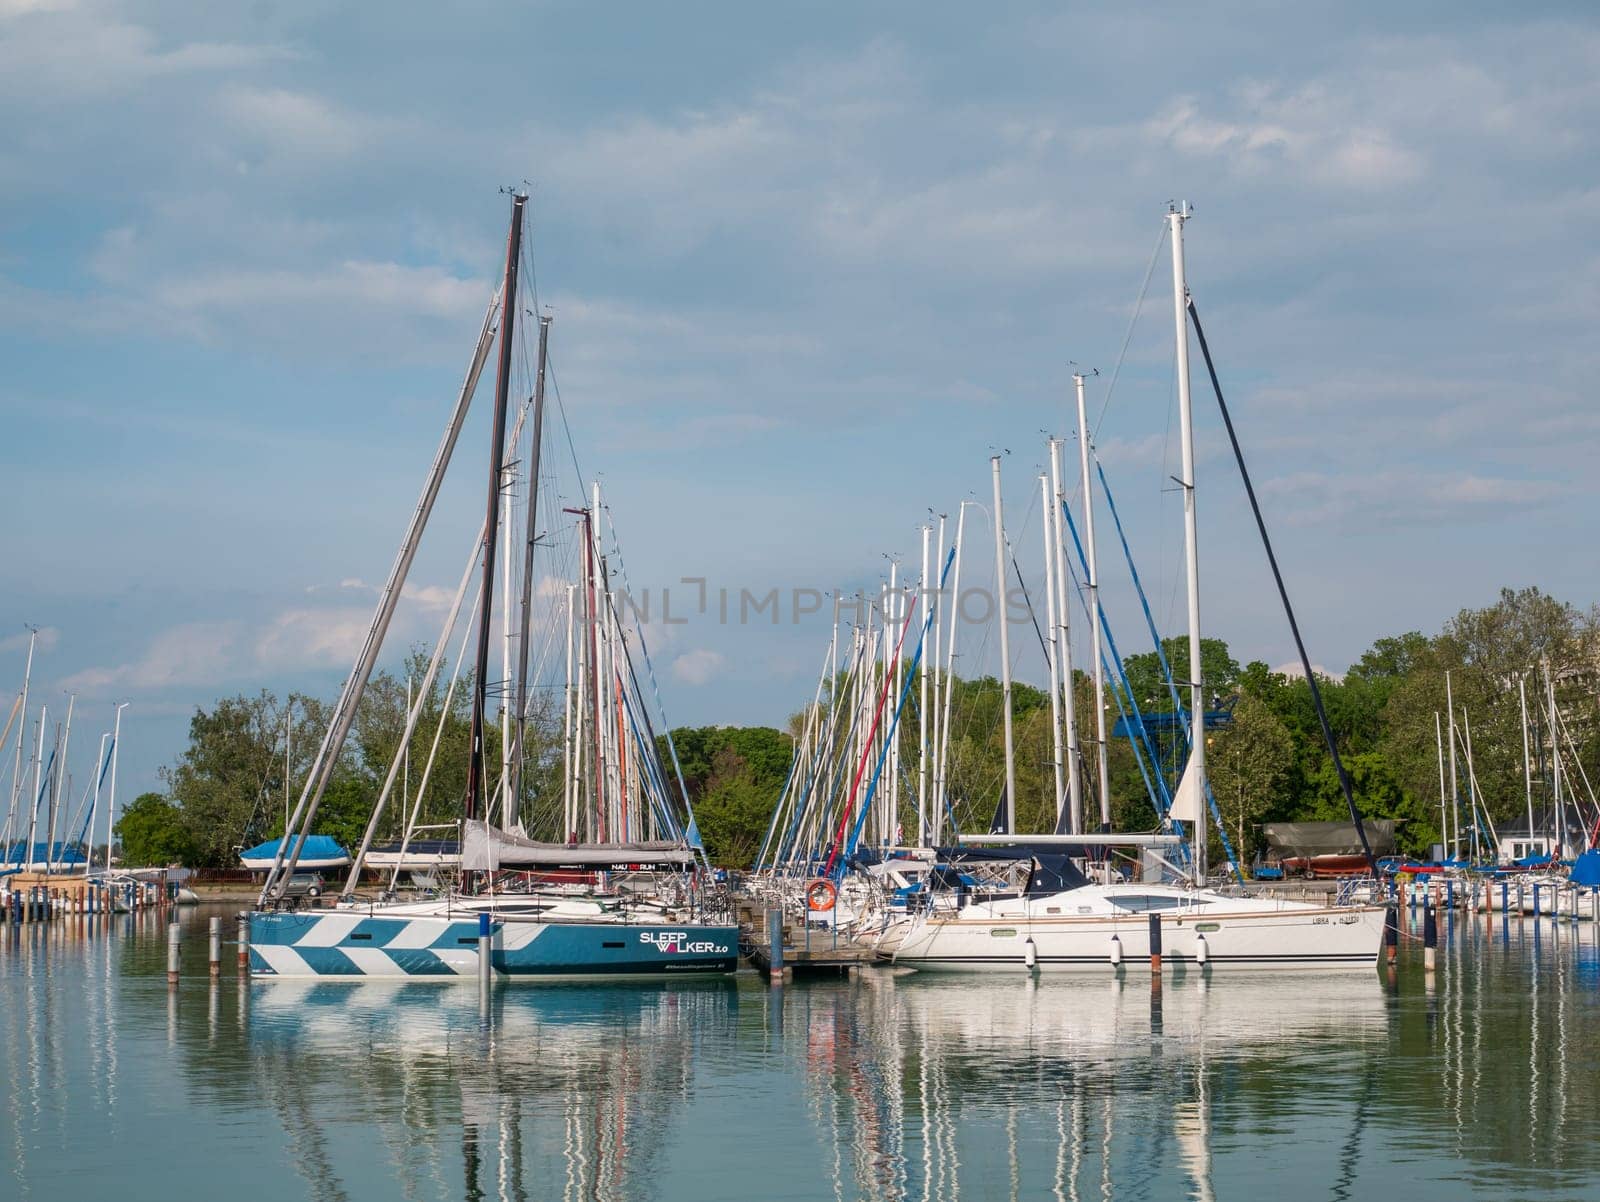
(59, 853)
(1586, 870)
(317, 847)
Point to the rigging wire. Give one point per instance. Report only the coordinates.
(1138, 308)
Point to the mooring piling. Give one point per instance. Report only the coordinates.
(174, 953)
(485, 953)
(1430, 939)
(214, 946)
(244, 941)
(775, 945)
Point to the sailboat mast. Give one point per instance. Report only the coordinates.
(1048, 529)
(1555, 764)
(100, 765)
(22, 726)
(520, 740)
(1444, 813)
(568, 825)
(38, 792)
(1455, 788)
(1102, 766)
(947, 676)
(1005, 648)
(55, 797)
(1069, 712)
(922, 704)
(1527, 760)
(111, 802)
(1191, 538)
(497, 454)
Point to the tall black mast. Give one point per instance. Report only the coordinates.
(491, 521)
(521, 726)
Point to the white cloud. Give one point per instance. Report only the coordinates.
(296, 123)
(698, 667)
(1311, 132)
(49, 636)
(312, 638)
(60, 53)
(194, 653)
(1405, 497)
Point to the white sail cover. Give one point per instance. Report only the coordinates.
(1189, 802)
(486, 848)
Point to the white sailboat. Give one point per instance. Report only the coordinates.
(1060, 921)
(530, 931)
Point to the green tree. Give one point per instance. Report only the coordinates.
(1249, 762)
(734, 808)
(153, 832)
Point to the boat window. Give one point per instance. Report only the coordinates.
(1003, 932)
(1143, 903)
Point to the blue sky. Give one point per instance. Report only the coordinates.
(810, 266)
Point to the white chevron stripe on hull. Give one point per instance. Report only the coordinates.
(352, 945)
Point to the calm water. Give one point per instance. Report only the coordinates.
(1483, 1085)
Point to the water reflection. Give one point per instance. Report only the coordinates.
(1478, 1083)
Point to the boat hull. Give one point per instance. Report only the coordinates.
(353, 946)
(1345, 938)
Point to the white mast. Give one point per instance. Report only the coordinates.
(938, 601)
(1005, 648)
(1555, 763)
(1064, 642)
(111, 804)
(22, 724)
(38, 790)
(288, 763)
(1444, 813)
(1191, 542)
(55, 798)
(568, 824)
(922, 707)
(508, 480)
(94, 807)
(1048, 528)
(1103, 772)
(1527, 759)
(1455, 789)
(889, 799)
(602, 780)
(941, 775)
(1472, 779)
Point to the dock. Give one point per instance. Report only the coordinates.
(804, 951)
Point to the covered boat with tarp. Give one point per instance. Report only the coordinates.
(317, 852)
(43, 857)
(1326, 849)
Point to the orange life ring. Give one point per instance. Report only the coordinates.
(820, 896)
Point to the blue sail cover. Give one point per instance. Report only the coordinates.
(1586, 870)
(320, 851)
(58, 854)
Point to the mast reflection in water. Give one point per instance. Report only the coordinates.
(1480, 1083)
